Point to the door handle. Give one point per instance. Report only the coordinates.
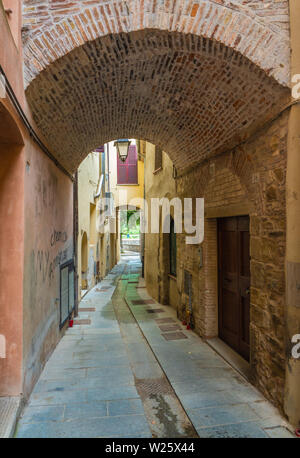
(247, 291)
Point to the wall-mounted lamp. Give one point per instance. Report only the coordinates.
(122, 146)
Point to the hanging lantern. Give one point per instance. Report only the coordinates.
(122, 146)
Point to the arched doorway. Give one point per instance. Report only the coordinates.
(129, 217)
(84, 262)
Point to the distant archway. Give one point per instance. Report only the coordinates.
(84, 261)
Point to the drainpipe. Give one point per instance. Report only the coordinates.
(75, 240)
(142, 235)
(108, 172)
(292, 381)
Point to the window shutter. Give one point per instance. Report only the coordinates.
(127, 171)
(132, 165)
(122, 171)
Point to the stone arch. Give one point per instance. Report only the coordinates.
(52, 29)
(187, 94)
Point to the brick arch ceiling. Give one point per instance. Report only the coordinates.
(190, 76)
(190, 95)
(258, 29)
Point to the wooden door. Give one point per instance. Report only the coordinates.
(234, 283)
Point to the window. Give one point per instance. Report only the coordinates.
(127, 171)
(174, 174)
(67, 290)
(172, 245)
(158, 159)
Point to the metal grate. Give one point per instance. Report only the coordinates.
(148, 387)
(165, 320)
(169, 327)
(142, 301)
(155, 310)
(9, 410)
(174, 336)
(86, 309)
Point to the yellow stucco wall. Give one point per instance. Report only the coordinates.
(88, 176)
(157, 185)
(98, 244)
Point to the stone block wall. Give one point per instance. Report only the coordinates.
(248, 180)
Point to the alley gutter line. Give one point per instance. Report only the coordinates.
(149, 346)
(156, 358)
(28, 126)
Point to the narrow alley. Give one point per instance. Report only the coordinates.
(128, 368)
(150, 220)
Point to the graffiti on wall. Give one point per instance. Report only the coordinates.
(45, 265)
(58, 236)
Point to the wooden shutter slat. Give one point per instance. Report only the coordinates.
(127, 171)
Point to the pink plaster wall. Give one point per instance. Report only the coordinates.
(11, 58)
(49, 208)
(11, 251)
(36, 198)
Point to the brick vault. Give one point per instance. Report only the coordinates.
(192, 77)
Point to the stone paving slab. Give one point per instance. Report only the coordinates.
(43, 413)
(222, 415)
(217, 399)
(85, 383)
(164, 412)
(114, 426)
(87, 387)
(248, 430)
(95, 384)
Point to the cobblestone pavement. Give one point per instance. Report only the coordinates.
(135, 371)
